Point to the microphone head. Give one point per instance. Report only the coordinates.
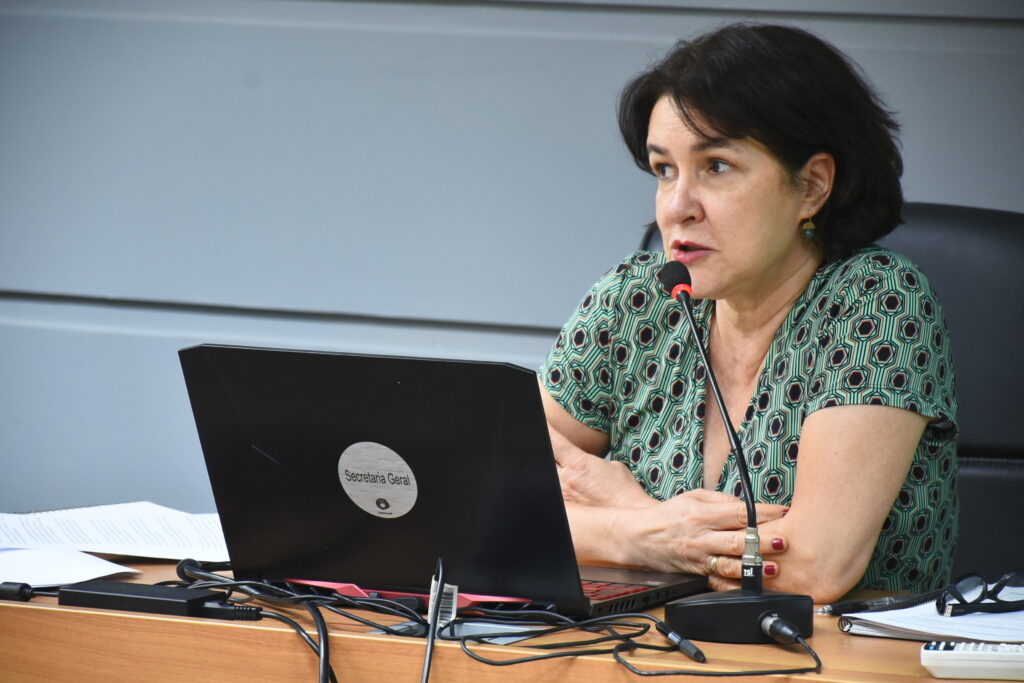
(675, 278)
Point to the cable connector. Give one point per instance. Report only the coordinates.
(752, 546)
(752, 568)
(10, 590)
(779, 630)
(684, 646)
(224, 610)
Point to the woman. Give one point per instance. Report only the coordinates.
(776, 170)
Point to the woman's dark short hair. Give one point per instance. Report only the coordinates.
(795, 94)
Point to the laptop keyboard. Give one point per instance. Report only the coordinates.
(598, 590)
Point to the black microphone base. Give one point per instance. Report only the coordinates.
(735, 616)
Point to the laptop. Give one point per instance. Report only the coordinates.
(343, 468)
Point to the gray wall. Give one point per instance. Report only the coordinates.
(408, 178)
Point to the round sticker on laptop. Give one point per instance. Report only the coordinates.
(377, 479)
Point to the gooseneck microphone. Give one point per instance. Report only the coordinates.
(676, 279)
(735, 616)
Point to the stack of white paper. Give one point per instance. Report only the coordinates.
(39, 548)
(42, 567)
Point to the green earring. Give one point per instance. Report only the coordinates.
(808, 229)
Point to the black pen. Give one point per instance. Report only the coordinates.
(873, 605)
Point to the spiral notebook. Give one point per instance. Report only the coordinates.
(924, 622)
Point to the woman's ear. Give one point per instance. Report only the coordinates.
(817, 175)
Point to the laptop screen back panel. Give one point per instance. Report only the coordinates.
(274, 424)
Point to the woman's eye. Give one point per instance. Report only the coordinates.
(718, 166)
(661, 171)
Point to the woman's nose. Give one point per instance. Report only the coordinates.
(680, 204)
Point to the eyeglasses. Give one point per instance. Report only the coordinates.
(970, 593)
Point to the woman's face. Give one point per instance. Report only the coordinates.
(727, 209)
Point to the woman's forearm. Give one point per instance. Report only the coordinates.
(817, 563)
(598, 534)
(853, 460)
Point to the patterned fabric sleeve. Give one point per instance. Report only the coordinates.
(578, 367)
(883, 341)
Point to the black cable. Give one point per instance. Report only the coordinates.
(391, 631)
(550, 623)
(324, 649)
(191, 575)
(296, 626)
(291, 595)
(381, 605)
(463, 643)
(627, 644)
(593, 623)
(522, 636)
(273, 593)
(697, 672)
(817, 660)
(519, 615)
(436, 596)
(603, 622)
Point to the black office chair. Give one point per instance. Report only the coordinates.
(974, 259)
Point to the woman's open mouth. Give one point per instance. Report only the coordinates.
(689, 252)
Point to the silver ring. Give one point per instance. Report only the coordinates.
(713, 564)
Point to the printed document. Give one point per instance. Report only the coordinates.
(135, 529)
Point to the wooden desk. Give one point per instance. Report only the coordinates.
(42, 641)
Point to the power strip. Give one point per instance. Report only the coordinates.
(990, 661)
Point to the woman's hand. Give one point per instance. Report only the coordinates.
(683, 534)
(686, 533)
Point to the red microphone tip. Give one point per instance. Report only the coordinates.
(682, 287)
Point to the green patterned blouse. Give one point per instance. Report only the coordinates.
(867, 330)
